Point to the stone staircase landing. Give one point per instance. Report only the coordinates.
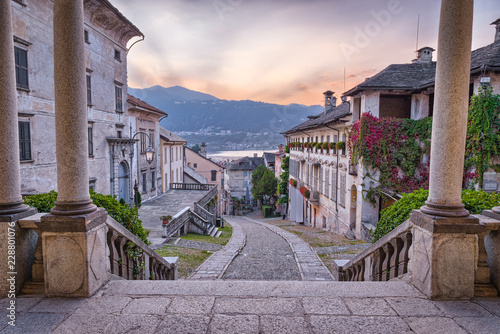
(254, 307)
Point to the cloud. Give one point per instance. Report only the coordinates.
(280, 51)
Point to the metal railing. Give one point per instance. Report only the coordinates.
(132, 259)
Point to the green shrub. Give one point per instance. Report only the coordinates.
(122, 213)
(267, 211)
(474, 200)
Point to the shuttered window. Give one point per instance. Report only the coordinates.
(118, 99)
(89, 90)
(21, 59)
(24, 141)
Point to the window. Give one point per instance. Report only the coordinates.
(245, 184)
(245, 173)
(345, 144)
(214, 175)
(86, 36)
(327, 182)
(327, 139)
(143, 142)
(334, 185)
(342, 190)
(195, 165)
(151, 138)
(24, 141)
(118, 54)
(89, 90)
(119, 134)
(153, 180)
(118, 99)
(21, 58)
(144, 183)
(91, 141)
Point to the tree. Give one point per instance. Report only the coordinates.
(265, 186)
(257, 175)
(196, 148)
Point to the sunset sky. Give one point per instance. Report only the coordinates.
(281, 51)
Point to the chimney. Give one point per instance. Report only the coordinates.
(497, 30)
(281, 149)
(330, 100)
(424, 55)
(203, 150)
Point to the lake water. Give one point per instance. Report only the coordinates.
(236, 154)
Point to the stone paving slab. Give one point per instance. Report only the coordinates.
(235, 307)
(311, 267)
(215, 266)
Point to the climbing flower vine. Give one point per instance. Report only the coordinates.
(392, 150)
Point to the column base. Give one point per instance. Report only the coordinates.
(444, 255)
(74, 254)
(73, 208)
(440, 210)
(13, 211)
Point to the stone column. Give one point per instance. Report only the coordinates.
(11, 201)
(71, 110)
(74, 234)
(445, 248)
(450, 110)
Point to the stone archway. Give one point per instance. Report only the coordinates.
(123, 182)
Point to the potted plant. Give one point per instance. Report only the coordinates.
(165, 219)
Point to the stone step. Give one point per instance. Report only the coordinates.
(210, 229)
(214, 231)
(218, 234)
(267, 289)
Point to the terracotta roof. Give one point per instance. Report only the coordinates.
(170, 136)
(141, 104)
(333, 114)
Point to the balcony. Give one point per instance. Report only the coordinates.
(314, 198)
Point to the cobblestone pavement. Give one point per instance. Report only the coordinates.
(168, 203)
(215, 266)
(310, 266)
(260, 307)
(266, 256)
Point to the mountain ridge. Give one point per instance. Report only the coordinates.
(224, 124)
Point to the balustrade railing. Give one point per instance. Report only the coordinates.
(205, 214)
(385, 259)
(191, 186)
(207, 198)
(132, 259)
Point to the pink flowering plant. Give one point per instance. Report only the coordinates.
(394, 148)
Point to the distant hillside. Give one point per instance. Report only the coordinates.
(223, 124)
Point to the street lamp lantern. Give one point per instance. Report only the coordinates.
(150, 154)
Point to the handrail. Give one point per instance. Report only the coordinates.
(207, 215)
(141, 263)
(208, 197)
(191, 186)
(385, 259)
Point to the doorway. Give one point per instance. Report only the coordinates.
(123, 182)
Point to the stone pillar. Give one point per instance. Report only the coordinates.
(450, 110)
(11, 201)
(75, 258)
(71, 110)
(445, 248)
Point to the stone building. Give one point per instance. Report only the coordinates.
(278, 160)
(106, 33)
(172, 158)
(144, 121)
(333, 203)
(238, 176)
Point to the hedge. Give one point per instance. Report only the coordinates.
(122, 213)
(474, 200)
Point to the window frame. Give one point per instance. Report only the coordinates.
(25, 148)
(88, 81)
(21, 68)
(144, 183)
(90, 134)
(213, 175)
(118, 98)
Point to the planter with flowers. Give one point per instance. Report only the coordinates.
(305, 192)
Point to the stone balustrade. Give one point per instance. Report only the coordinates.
(207, 198)
(191, 186)
(205, 214)
(385, 259)
(132, 259)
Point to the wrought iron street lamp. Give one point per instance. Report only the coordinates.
(150, 152)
